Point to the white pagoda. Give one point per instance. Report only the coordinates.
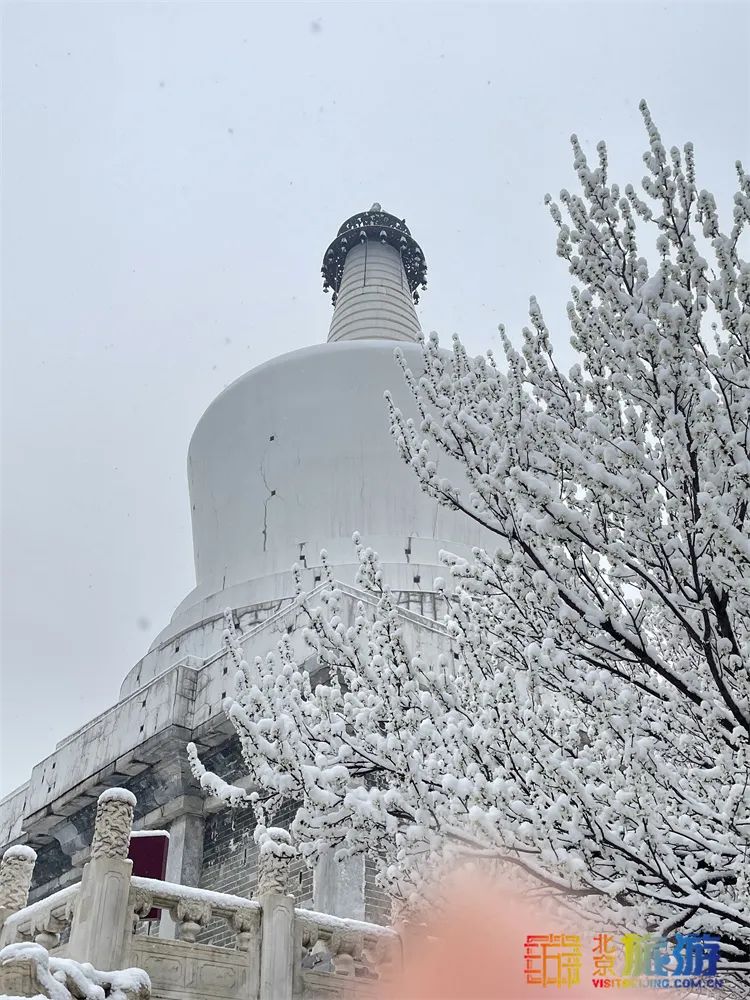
(290, 459)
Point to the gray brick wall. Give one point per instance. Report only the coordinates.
(377, 902)
(230, 863)
(230, 855)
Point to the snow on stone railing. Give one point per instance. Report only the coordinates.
(42, 922)
(192, 909)
(407, 614)
(346, 947)
(29, 970)
(290, 604)
(287, 604)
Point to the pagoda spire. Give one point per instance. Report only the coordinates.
(375, 269)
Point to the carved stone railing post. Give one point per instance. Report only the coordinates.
(345, 947)
(16, 870)
(277, 920)
(246, 925)
(385, 954)
(101, 922)
(190, 917)
(47, 931)
(140, 904)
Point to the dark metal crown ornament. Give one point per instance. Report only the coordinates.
(385, 228)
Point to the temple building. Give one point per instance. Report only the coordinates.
(290, 459)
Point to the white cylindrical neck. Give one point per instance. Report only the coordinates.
(374, 300)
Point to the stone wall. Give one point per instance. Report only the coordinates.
(50, 871)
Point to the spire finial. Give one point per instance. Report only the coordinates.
(375, 224)
(374, 268)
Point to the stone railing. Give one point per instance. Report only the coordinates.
(280, 952)
(192, 909)
(43, 922)
(347, 956)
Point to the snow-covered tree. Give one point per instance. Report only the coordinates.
(589, 724)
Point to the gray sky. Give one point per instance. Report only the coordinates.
(172, 175)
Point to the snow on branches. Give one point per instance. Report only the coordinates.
(589, 720)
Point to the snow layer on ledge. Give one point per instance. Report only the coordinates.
(174, 889)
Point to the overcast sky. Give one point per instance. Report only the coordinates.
(172, 175)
